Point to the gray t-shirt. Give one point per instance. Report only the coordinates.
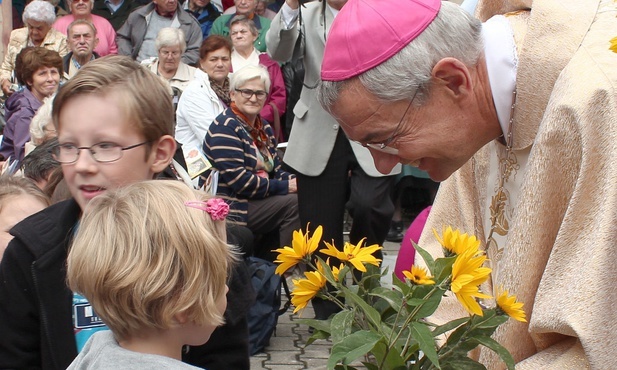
(102, 352)
(156, 23)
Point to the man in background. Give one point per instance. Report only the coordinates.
(81, 41)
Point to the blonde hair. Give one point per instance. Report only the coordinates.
(141, 256)
(12, 186)
(142, 95)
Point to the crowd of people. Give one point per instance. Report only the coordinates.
(141, 164)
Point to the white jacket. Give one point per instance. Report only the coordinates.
(197, 108)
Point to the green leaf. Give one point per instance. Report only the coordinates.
(393, 298)
(371, 313)
(497, 348)
(443, 268)
(462, 363)
(492, 322)
(426, 256)
(318, 334)
(323, 325)
(341, 325)
(352, 347)
(370, 366)
(344, 367)
(400, 285)
(450, 326)
(423, 335)
(388, 359)
(431, 301)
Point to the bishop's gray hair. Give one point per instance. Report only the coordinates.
(453, 33)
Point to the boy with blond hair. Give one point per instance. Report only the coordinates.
(115, 124)
(152, 260)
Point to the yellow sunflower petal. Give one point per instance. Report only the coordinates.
(357, 264)
(508, 304)
(613, 46)
(331, 250)
(455, 242)
(419, 276)
(314, 240)
(467, 275)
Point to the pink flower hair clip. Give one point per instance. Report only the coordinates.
(216, 207)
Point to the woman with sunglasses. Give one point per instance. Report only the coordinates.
(242, 148)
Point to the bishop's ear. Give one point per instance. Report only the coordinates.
(453, 74)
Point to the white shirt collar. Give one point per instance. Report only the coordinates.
(501, 64)
(332, 10)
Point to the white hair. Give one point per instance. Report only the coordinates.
(453, 33)
(170, 36)
(248, 73)
(40, 120)
(39, 11)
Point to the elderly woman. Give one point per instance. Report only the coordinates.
(40, 70)
(82, 9)
(242, 148)
(170, 45)
(243, 35)
(41, 127)
(38, 17)
(206, 96)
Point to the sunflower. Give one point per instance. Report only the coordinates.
(613, 46)
(467, 275)
(508, 305)
(335, 270)
(354, 254)
(456, 243)
(302, 247)
(306, 289)
(418, 276)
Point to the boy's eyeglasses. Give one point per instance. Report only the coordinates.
(248, 93)
(101, 152)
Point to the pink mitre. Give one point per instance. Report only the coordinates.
(365, 33)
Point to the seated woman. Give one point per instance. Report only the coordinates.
(170, 45)
(19, 198)
(243, 149)
(206, 96)
(38, 16)
(40, 70)
(243, 34)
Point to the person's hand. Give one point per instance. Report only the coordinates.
(293, 187)
(294, 4)
(6, 87)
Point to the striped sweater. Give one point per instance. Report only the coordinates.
(230, 149)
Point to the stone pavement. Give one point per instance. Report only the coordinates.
(288, 350)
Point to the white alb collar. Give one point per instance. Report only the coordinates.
(502, 64)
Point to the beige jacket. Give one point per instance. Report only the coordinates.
(54, 40)
(560, 247)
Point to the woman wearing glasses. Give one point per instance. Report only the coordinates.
(243, 35)
(242, 148)
(170, 44)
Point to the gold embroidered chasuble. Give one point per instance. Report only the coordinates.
(558, 247)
